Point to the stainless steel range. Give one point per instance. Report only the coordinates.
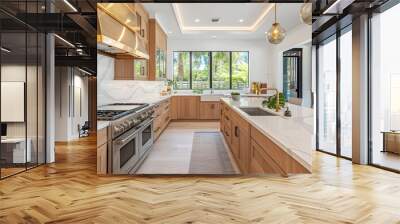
(131, 128)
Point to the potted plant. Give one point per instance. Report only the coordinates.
(235, 96)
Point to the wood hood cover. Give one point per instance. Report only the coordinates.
(117, 30)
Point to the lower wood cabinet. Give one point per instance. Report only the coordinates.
(267, 157)
(102, 145)
(162, 118)
(240, 141)
(254, 152)
(188, 107)
(210, 110)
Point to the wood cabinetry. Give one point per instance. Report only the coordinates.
(162, 117)
(188, 107)
(240, 141)
(102, 146)
(124, 69)
(267, 157)
(191, 108)
(210, 110)
(236, 132)
(157, 51)
(254, 152)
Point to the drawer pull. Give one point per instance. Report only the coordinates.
(237, 132)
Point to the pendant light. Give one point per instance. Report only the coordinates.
(306, 13)
(276, 33)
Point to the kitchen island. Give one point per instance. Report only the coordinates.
(268, 144)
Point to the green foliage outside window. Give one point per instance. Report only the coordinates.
(223, 72)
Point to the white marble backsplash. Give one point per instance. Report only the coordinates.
(122, 91)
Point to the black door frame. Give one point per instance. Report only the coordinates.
(335, 37)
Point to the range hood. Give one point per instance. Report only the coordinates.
(118, 32)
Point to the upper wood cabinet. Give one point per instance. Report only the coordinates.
(188, 107)
(157, 51)
(124, 69)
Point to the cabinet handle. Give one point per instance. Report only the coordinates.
(226, 117)
(237, 132)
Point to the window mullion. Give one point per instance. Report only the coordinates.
(210, 66)
(230, 69)
(190, 70)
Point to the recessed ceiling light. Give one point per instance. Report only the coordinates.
(197, 20)
(213, 37)
(241, 20)
(169, 32)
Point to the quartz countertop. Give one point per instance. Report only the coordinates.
(293, 134)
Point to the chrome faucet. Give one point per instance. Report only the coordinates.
(277, 106)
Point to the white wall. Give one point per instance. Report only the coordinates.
(299, 37)
(67, 115)
(259, 53)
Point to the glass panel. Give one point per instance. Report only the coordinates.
(240, 70)
(31, 99)
(140, 72)
(146, 135)
(127, 152)
(160, 65)
(220, 70)
(327, 97)
(41, 98)
(13, 87)
(181, 70)
(385, 89)
(346, 94)
(200, 70)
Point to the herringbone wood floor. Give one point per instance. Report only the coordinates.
(69, 191)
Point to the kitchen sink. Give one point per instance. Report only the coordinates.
(256, 111)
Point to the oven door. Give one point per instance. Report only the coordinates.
(125, 152)
(146, 136)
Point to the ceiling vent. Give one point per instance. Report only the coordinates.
(215, 20)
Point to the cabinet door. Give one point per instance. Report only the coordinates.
(235, 140)
(102, 159)
(173, 108)
(261, 162)
(210, 110)
(124, 69)
(240, 143)
(188, 107)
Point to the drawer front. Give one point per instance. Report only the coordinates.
(261, 162)
(270, 148)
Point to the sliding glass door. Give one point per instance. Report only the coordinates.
(327, 96)
(346, 93)
(334, 97)
(385, 90)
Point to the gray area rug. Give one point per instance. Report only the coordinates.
(209, 155)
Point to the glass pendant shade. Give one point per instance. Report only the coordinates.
(276, 34)
(306, 14)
